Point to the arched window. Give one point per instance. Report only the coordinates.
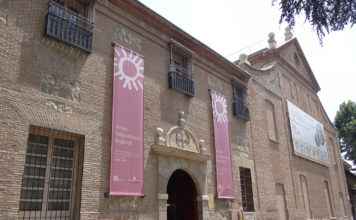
(328, 199)
(304, 190)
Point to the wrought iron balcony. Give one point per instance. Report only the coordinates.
(65, 25)
(240, 109)
(180, 82)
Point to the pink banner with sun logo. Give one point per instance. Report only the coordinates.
(126, 173)
(224, 180)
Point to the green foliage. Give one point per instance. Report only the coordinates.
(324, 15)
(345, 123)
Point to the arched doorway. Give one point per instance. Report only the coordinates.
(182, 197)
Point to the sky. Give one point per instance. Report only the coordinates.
(232, 27)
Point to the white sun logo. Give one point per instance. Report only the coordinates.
(219, 108)
(128, 67)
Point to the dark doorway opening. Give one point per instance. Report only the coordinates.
(182, 197)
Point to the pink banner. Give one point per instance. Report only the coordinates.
(224, 182)
(126, 173)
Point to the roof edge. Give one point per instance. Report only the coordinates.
(159, 22)
(268, 51)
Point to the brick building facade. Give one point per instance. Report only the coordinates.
(55, 112)
(298, 186)
(350, 181)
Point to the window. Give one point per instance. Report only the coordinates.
(304, 190)
(76, 6)
(52, 175)
(240, 109)
(181, 64)
(328, 199)
(70, 21)
(271, 121)
(246, 190)
(180, 69)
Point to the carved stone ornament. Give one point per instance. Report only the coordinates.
(60, 86)
(3, 18)
(59, 106)
(243, 59)
(180, 137)
(288, 34)
(4, 11)
(272, 43)
(122, 34)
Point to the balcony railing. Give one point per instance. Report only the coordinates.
(181, 83)
(240, 109)
(65, 25)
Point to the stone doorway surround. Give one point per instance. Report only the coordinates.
(178, 149)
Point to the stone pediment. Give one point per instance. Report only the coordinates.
(293, 55)
(180, 141)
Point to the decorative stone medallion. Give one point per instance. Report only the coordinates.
(179, 136)
(4, 6)
(55, 85)
(126, 36)
(59, 106)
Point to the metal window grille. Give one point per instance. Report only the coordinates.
(68, 25)
(180, 69)
(180, 83)
(240, 109)
(246, 189)
(50, 176)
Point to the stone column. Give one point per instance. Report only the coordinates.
(162, 206)
(203, 207)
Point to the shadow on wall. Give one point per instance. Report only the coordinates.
(51, 67)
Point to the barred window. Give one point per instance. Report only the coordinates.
(246, 189)
(51, 178)
(180, 69)
(181, 63)
(78, 6)
(180, 59)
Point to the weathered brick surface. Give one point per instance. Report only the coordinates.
(275, 161)
(28, 59)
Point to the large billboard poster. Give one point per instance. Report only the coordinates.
(224, 180)
(307, 135)
(126, 173)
